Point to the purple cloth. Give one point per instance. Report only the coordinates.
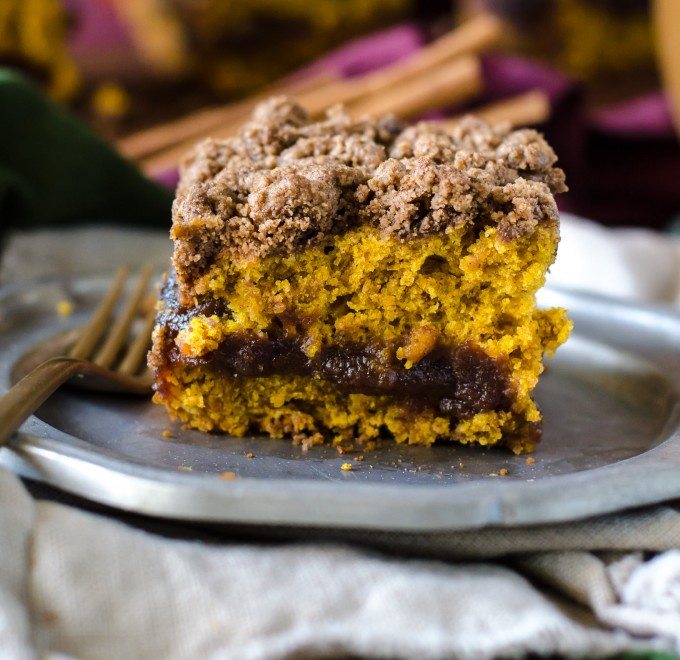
(96, 25)
(366, 54)
(645, 117)
(622, 162)
(167, 178)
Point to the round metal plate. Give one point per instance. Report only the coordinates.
(611, 439)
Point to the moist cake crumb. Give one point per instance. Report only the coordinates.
(346, 467)
(64, 307)
(49, 616)
(307, 440)
(350, 282)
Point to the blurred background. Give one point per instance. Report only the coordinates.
(604, 74)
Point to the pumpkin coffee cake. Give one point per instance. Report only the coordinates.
(343, 279)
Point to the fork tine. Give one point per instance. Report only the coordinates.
(95, 328)
(118, 334)
(137, 351)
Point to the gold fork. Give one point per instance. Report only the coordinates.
(95, 358)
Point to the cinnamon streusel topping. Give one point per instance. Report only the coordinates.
(284, 182)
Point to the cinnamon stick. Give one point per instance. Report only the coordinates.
(526, 109)
(472, 37)
(443, 85)
(193, 126)
(437, 87)
(320, 92)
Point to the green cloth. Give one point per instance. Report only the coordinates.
(55, 171)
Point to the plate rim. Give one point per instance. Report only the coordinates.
(87, 471)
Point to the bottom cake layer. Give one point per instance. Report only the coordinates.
(311, 410)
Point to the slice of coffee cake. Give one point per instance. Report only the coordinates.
(342, 279)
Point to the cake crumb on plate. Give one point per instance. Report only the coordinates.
(64, 307)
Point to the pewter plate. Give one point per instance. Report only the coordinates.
(611, 439)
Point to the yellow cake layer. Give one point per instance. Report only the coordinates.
(297, 406)
(363, 288)
(451, 288)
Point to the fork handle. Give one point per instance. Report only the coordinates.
(32, 390)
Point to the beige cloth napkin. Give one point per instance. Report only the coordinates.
(76, 584)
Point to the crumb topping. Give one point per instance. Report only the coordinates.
(285, 182)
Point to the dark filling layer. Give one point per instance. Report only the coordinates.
(454, 381)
